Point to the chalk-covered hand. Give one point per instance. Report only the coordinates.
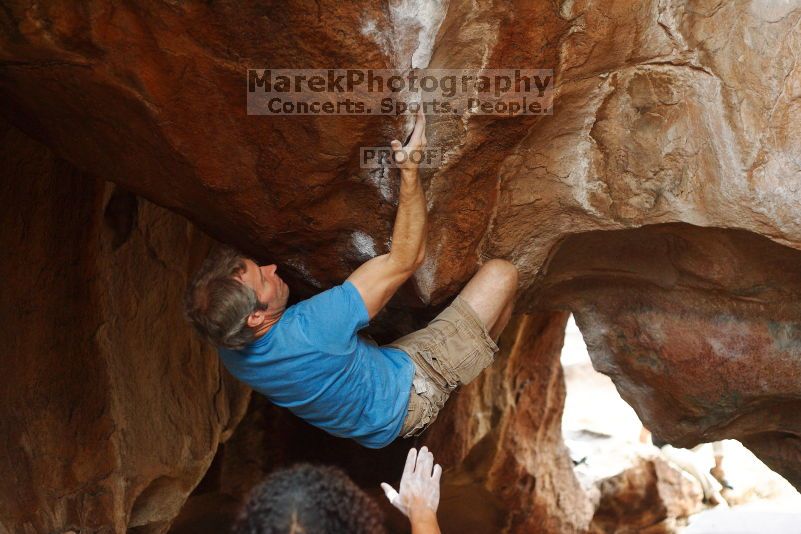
(419, 485)
(408, 157)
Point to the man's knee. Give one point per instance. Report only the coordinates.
(502, 272)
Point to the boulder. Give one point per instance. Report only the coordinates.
(112, 410)
(503, 436)
(633, 487)
(659, 202)
(651, 496)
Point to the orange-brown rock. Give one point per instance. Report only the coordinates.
(650, 496)
(504, 432)
(111, 410)
(698, 328)
(683, 114)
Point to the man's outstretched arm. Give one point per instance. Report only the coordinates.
(379, 278)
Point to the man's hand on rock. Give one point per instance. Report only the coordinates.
(417, 142)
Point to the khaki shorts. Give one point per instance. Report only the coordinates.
(451, 351)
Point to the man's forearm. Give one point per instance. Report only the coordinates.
(409, 232)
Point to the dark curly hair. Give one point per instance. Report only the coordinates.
(309, 499)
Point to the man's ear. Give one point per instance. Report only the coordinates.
(255, 318)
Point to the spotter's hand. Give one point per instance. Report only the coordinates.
(417, 141)
(419, 485)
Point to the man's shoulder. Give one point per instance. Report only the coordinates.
(331, 318)
(336, 291)
(333, 314)
(340, 299)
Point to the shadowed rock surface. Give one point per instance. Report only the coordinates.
(111, 409)
(660, 203)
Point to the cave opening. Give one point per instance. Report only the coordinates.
(633, 482)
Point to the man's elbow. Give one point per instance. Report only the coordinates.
(406, 266)
(418, 261)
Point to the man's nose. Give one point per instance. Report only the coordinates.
(271, 269)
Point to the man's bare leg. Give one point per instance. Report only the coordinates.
(491, 294)
(503, 320)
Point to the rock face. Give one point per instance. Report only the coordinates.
(660, 201)
(633, 487)
(698, 328)
(504, 432)
(111, 410)
(648, 498)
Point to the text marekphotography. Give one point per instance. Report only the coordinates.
(390, 92)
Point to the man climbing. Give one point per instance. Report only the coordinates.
(309, 358)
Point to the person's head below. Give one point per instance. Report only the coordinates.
(231, 300)
(309, 499)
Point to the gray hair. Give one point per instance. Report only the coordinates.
(217, 304)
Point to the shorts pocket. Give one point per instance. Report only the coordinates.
(442, 372)
(471, 366)
(423, 421)
(445, 329)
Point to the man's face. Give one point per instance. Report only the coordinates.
(269, 287)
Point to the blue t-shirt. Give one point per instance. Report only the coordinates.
(313, 362)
